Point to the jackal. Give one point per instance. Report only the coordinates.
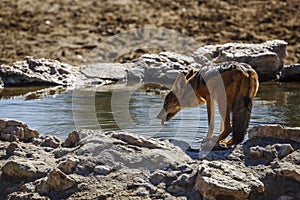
(230, 85)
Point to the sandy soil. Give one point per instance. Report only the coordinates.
(68, 30)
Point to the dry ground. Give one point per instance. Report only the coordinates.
(68, 30)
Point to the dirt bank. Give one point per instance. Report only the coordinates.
(69, 30)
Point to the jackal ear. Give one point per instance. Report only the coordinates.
(180, 83)
(189, 74)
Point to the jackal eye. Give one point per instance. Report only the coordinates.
(171, 103)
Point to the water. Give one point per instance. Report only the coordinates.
(51, 112)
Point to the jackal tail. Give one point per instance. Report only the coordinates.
(241, 110)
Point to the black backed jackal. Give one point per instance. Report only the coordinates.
(230, 85)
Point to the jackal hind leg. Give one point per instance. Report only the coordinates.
(225, 124)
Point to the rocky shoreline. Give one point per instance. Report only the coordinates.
(116, 165)
(266, 58)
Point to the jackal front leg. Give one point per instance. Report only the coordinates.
(211, 118)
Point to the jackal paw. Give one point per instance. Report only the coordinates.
(220, 146)
(207, 144)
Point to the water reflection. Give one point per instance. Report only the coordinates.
(31, 93)
(281, 103)
(51, 112)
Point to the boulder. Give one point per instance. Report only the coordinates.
(101, 74)
(13, 130)
(226, 180)
(162, 68)
(72, 140)
(68, 166)
(26, 195)
(56, 181)
(289, 170)
(265, 58)
(22, 168)
(50, 141)
(102, 169)
(128, 150)
(14, 149)
(37, 72)
(290, 73)
(275, 131)
(179, 180)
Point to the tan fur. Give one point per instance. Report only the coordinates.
(231, 85)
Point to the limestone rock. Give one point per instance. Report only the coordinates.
(1, 84)
(219, 179)
(72, 139)
(162, 68)
(179, 180)
(284, 150)
(68, 166)
(56, 181)
(102, 169)
(265, 58)
(14, 149)
(289, 170)
(289, 167)
(135, 140)
(12, 130)
(37, 72)
(50, 141)
(26, 195)
(290, 73)
(122, 149)
(25, 169)
(275, 131)
(101, 74)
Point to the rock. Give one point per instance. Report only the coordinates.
(37, 72)
(179, 180)
(181, 144)
(157, 177)
(263, 152)
(161, 68)
(30, 134)
(26, 195)
(284, 150)
(275, 131)
(102, 169)
(25, 169)
(219, 179)
(56, 181)
(59, 152)
(72, 140)
(124, 149)
(50, 141)
(68, 166)
(1, 84)
(12, 130)
(265, 58)
(285, 197)
(289, 170)
(14, 149)
(290, 73)
(98, 74)
(135, 140)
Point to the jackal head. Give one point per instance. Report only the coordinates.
(181, 96)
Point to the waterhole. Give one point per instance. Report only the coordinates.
(50, 112)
